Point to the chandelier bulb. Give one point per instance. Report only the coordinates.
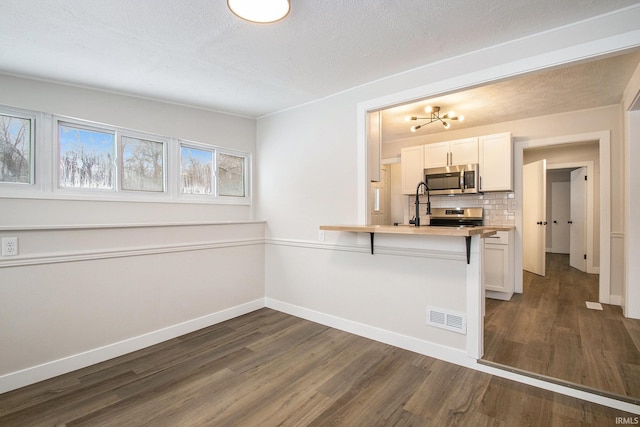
(446, 125)
(461, 118)
(428, 109)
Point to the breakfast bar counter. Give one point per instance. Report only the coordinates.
(465, 232)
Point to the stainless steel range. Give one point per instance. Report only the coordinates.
(457, 217)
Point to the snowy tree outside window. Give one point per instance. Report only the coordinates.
(230, 175)
(86, 158)
(196, 171)
(142, 164)
(15, 149)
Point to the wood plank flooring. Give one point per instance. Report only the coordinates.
(548, 330)
(270, 369)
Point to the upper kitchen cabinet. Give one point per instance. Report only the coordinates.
(458, 152)
(374, 144)
(411, 168)
(496, 162)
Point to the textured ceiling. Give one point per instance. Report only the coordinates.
(578, 87)
(197, 53)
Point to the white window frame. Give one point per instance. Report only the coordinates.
(165, 160)
(18, 188)
(45, 160)
(58, 121)
(247, 175)
(214, 172)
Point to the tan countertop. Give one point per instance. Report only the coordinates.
(413, 230)
(501, 227)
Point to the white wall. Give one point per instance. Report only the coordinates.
(631, 106)
(312, 172)
(96, 279)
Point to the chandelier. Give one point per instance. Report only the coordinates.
(434, 116)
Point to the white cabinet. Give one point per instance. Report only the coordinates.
(458, 152)
(411, 168)
(436, 155)
(496, 162)
(498, 272)
(374, 144)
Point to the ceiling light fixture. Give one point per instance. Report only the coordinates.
(434, 116)
(260, 11)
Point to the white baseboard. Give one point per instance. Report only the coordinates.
(54, 368)
(447, 354)
(395, 339)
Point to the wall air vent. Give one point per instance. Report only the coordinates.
(450, 321)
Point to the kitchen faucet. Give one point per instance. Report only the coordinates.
(426, 187)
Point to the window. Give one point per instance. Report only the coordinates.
(142, 164)
(231, 172)
(196, 170)
(16, 149)
(86, 158)
(44, 155)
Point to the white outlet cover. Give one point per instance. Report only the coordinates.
(9, 246)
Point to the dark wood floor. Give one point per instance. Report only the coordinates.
(268, 368)
(548, 330)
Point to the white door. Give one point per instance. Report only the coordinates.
(560, 217)
(534, 201)
(578, 226)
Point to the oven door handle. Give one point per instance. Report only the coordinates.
(462, 181)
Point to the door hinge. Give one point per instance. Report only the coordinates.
(585, 256)
(585, 177)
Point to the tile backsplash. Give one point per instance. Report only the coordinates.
(499, 207)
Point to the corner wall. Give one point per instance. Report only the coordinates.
(96, 279)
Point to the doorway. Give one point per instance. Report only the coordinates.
(598, 228)
(558, 211)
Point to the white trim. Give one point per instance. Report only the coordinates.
(447, 354)
(475, 299)
(73, 256)
(604, 149)
(71, 363)
(365, 248)
(124, 225)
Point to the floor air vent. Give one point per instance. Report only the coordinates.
(446, 320)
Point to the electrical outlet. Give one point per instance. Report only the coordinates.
(321, 235)
(9, 246)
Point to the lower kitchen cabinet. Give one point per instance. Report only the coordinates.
(498, 274)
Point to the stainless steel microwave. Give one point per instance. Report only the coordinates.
(459, 179)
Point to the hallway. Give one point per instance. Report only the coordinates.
(549, 331)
